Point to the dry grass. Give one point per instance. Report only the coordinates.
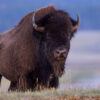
(70, 94)
(73, 94)
(67, 94)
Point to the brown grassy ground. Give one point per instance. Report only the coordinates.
(67, 94)
(30, 96)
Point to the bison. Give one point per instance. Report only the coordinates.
(33, 54)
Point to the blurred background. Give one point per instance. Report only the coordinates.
(83, 63)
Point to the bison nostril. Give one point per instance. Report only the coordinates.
(60, 54)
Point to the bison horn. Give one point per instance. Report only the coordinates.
(75, 24)
(39, 15)
(36, 27)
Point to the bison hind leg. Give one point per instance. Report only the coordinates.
(22, 84)
(19, 85)
(13, 86)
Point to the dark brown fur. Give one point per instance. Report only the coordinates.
(24, 59)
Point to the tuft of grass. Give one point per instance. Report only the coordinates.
(72, 94)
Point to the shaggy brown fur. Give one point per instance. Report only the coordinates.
(26, 57)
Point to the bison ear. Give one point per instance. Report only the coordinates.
(75, 24)
(39, 16)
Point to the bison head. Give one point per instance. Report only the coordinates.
(56, 28)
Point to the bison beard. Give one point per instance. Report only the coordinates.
(33, 54)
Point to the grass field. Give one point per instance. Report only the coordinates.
(70, 94)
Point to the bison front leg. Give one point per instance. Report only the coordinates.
(54, 82)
